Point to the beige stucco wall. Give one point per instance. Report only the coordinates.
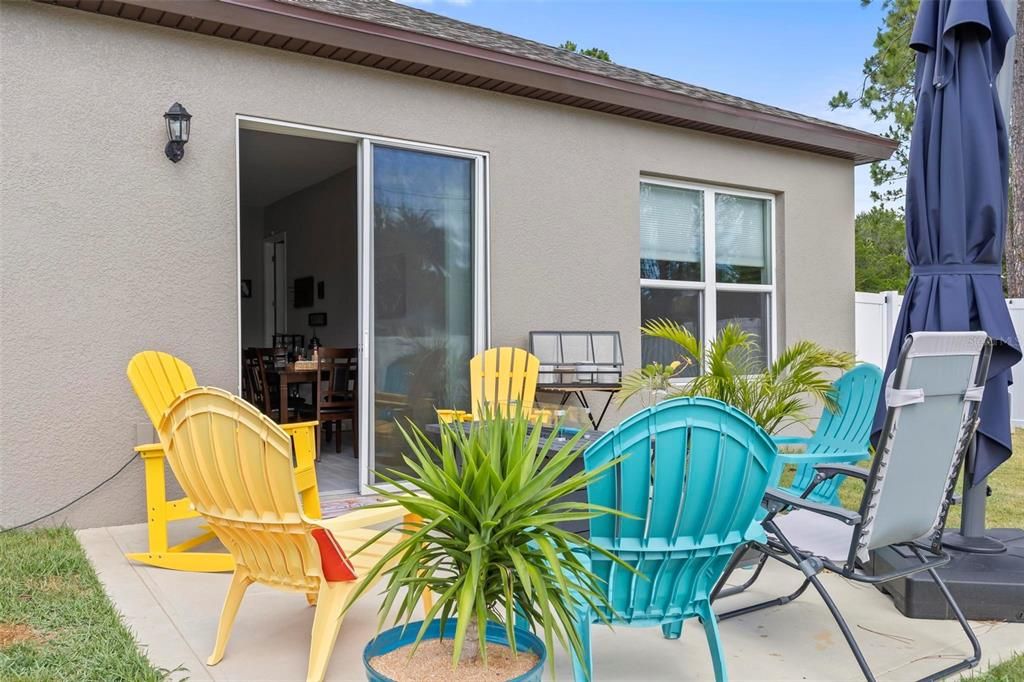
(108, 248)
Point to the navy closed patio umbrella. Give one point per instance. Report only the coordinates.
(956, 201)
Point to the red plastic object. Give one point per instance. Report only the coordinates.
(336, 566)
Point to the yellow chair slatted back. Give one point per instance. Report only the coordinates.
(235, 465)
(500, 376)
(159, 378)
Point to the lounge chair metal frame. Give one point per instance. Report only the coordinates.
(926, 547)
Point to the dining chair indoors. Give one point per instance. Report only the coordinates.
(339, 393)
(254, 378)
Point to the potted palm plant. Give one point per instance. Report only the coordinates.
(775, 396)
(490, 548)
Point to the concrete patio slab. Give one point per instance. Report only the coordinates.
(174, 616)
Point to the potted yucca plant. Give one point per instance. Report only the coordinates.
(490, 548)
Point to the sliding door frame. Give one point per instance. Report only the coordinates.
(481, 289)
(364, 200)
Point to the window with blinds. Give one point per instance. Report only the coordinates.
(705, 262)
(671, 232)
(741, 239)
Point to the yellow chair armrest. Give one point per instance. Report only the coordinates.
(298, 426)
(303, 435)
(361, 518)
(150, 450)
(542, 415)
(305, 478)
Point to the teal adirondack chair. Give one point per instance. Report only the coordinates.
(841, 437)
(693, 477)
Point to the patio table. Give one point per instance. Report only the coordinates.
(578, 390)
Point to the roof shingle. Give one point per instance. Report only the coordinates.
(414, 20)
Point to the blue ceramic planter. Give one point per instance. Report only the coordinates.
(397, 637)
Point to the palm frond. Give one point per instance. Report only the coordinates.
(649, 381)
(775, 396)
(670, 330)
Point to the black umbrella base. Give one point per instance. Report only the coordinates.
(987, 586)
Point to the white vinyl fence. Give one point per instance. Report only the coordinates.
(875, 317)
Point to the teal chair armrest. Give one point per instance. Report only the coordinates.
(790, 440)
(820, 457)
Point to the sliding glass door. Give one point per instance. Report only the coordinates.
(422, 229)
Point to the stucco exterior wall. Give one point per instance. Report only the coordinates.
(108, 248)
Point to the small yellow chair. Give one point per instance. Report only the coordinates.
(235, 464)
(500, 377)
(159, 378)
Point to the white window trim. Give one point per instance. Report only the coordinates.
(710, 286)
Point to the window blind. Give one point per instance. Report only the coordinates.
(671, 223)
(740, 228)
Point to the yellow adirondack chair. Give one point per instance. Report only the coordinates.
(235, 465)
(159, 378)
(500, 377)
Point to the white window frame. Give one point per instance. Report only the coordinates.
(710, 286)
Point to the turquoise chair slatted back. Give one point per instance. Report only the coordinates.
(693, 475)
(847, 430)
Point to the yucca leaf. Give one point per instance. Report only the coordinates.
(466, 603)
(510, 618)
(491, 496)
(481, 623)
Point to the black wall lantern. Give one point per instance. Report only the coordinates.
(178, 126)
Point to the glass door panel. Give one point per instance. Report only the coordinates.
(423, 292)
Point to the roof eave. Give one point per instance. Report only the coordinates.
(355, 34)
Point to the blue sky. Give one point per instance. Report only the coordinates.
(793, 54)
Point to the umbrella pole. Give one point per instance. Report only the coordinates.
(971, 537)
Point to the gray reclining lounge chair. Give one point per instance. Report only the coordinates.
(933, 398)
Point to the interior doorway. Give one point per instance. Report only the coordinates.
(275, 285)
(298, 256)
(376, 249)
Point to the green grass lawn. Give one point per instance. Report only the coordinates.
(1005, 509)
(56, 622)
(1011, 670)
